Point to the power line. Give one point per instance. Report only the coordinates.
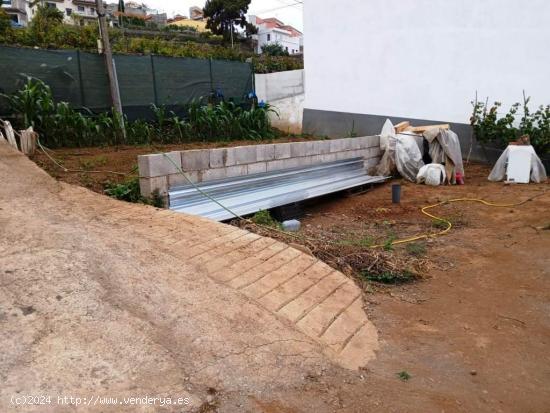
(296, 3)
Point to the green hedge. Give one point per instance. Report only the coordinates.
(85, 38)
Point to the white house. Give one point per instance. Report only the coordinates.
(422, 59)
(74, 11)
(17, 10)
(273, 31)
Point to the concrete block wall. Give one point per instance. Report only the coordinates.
(160, 171)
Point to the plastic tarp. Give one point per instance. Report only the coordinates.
(401, 153)
(431, 174)
(445, 149)
(537, 174)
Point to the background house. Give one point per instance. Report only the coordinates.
(74, 11)
(272, 31)
(420, 60)
(17, 10)
(197, 20)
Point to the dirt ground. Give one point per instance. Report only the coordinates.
(473, 335)
(94, 164)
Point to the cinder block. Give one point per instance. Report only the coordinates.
(365, 153)
(275, 165)
(195, 160)
(316, 159)
(374, 152)
(179, 180)
(338, 145)
(297, 149)
(322, 147)
(292, 162)
(218, 157)
(158, 164)
(310, 148)
(256, 168)
(245, 155)
(328, 157)
(282, 150)
(355, 143)
(237, 170)
(368, 141)
(265, 152)
(148, 185)
(212, 174)
(346, 155)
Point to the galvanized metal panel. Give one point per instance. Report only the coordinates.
(252, 193)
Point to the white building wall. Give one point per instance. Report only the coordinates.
(285, 92)
(425, 59)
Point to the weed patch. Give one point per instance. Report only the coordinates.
(403, 375)
(390, 277)
(129, 191)
(416, 249)
(264, 218)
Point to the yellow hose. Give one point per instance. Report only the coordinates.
(446, 221)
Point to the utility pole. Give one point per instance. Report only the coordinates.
(109, 63)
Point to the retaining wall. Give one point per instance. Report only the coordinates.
(285, 92)
(157, 172)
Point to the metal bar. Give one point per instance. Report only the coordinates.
(80, 82)
(154, 80)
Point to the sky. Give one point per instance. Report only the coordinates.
(288, 11)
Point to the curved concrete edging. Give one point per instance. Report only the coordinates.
(306, 293)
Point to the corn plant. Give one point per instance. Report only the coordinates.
(61, 125)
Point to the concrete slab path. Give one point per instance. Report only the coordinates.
(101, 295)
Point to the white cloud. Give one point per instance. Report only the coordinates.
(287, 11)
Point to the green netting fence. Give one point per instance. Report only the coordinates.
(80, 78)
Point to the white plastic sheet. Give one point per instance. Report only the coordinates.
(431, 174)
(445, 149)
(538, 173)
(401, 154)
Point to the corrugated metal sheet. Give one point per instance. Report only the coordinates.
(252, 193)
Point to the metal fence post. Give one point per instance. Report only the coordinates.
(211, 75)
(155, 97)
(80, 82)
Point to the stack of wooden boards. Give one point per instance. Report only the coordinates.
(406, 126)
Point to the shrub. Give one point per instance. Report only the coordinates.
(489, 127)
(129, 191)
(274, 49)
(49, 33)
(5, 22)
(264, 218)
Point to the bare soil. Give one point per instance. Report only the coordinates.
(473, 335)
(95, 164)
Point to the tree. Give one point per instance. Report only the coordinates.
(223, 15)
(121, 8)
(45, 21)
(274, 49)
(5, 22)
